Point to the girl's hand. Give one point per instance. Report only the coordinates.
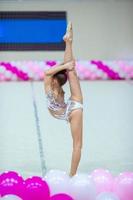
(70, 65)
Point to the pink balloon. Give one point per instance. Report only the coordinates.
(30, 63)
(81, 68)
(2, 77)
(127, 69)
(120, 62)
(131, 74)
(36, 188)
(123, 186)
(31, 67)
(87, 74)
(103, 180)
(36, 68)
(41, 74)
(93, 76)
(61, 197)
(11, 183)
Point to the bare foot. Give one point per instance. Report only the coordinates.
(70, 175)
(69, 33)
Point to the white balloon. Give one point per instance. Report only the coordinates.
(25, 68)
(2, 69)
(107, 196)
(36, 77)
(14, 77)
(8, 74)
(93, 68)
(58, 181)
(99, 72)
(10, 197)
(104, 76)
(13, 63)
(82, 186)
(41, 64)
(31, 74)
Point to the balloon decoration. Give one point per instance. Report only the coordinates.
(100, 184)
(11, 197)
(82, 187)
(123, 185)
(36, 188)
(61, 197)
(10, 70)
(58, 181)
(11, 183)
(86, 70)
(107, 196)
(110, 72)
(103, 180)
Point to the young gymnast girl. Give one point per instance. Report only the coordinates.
(72, 110)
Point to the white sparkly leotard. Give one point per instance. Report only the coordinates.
(67, 108)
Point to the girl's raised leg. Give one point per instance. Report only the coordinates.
(76, 116)
(76, 93)
(68, 38)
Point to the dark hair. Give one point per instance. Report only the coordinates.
(61, 77)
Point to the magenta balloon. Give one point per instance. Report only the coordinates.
(103, 180)
(51, 63)
(7, 65)
(61, 197)
(21, 73)
(25, 77)
(36, 189)
(14, 69)
(17, 73)
(11, 183)
(123, 186)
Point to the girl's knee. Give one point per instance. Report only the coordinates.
(77, 143)
(77, 146)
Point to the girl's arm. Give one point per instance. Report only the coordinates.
(54, 70)
(48, 74)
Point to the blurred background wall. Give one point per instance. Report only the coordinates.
(103, 29)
